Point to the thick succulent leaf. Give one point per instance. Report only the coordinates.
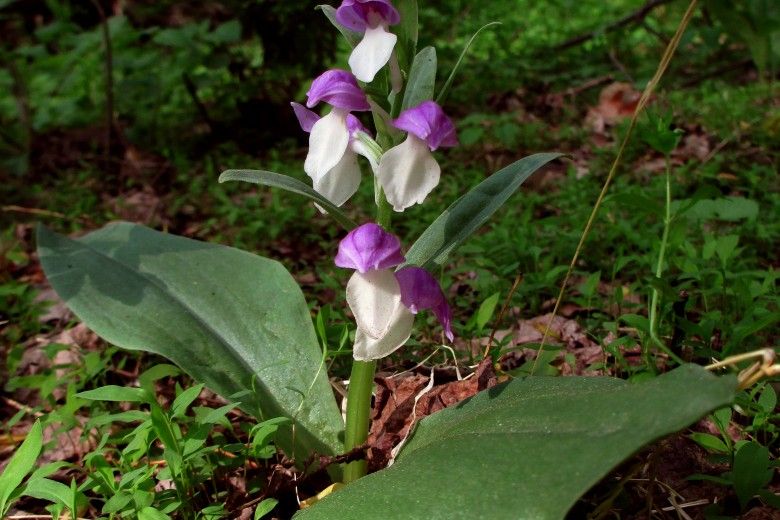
(422, 79)
(468, 213)
(526, 449)
(233, 320)
(285, 182)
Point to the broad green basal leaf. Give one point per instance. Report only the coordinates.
(233, 320)
(468, 213)
(527, 449)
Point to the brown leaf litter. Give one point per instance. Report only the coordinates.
(395, 409)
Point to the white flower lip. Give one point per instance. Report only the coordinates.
(372, 53)
(408, 173)
(328, 141)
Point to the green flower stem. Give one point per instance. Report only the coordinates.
(361, 383)
(659, 268)
(384, 212)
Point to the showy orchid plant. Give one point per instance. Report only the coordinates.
(239, 323)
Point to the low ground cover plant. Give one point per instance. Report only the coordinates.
(238, 324)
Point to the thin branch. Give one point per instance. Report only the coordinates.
(637, 16)
(192, 90)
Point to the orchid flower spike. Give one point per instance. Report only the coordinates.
(329, 136)
(372, 18)
(341, 181)
(384, 302)
(408, 172)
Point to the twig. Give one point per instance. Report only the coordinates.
(619, 65)
(729, 67)
(591, 83)
(12, 208)
(192, 90)
(22, 407)
(636, 16)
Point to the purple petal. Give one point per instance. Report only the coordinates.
(354, 125)
(420, 290)
(428, 122)
(369, 247)
(357, 14)
(338, 88)
(307, 118)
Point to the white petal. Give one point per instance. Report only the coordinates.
(408, 172)
(328, 140)
(374, 298)
(372, 53)
(340, 183)
(367, 348)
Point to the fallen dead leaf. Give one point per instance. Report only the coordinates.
(617, 101)
(394, 406)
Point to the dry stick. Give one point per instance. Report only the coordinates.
(637, 16)
(662, 66)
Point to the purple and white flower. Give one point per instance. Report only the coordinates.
(372, 18)
(408, 172)
(335, 172)
(341, 181)
(384, 302)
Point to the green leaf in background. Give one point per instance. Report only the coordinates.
(422, 79)
(265, 507)
(150, 513)
(21, 463)
(709, 442)
(729, 208)
(117, 393)
(751, 470)
(486, 310)
(184, 400)
(468, 213)
(285, 182)
(50, 490)
(232, 320)
(526, 449)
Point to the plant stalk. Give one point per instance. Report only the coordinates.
(361, 383)
(659, 267)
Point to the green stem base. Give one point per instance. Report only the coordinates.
(361, 383)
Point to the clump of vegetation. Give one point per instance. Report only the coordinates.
(637, 249)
